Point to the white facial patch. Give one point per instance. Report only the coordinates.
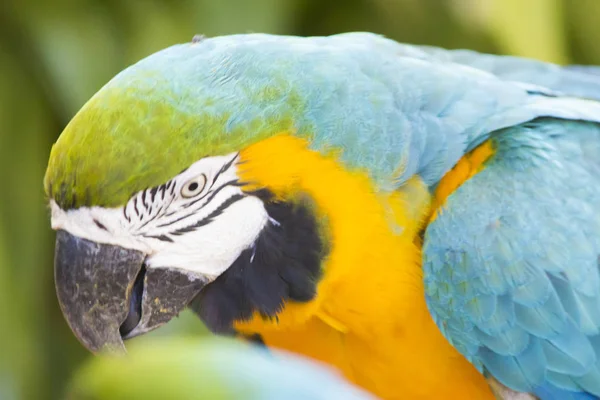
(199, 221)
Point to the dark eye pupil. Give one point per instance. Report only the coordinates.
(193, 186)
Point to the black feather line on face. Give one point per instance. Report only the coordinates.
(210, 217)
(153, 193)
(163, 238)
(223, 169)
(284, 264)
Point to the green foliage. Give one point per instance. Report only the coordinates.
(55, 54)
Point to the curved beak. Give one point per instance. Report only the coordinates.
(106, 294)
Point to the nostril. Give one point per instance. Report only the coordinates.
(135, 305)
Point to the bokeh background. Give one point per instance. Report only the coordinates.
(55, 54)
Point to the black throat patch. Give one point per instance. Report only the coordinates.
(283, 264)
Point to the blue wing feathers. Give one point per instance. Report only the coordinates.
(589, 307)
(508, 342)
(548, 391)
(502, 319)
(545, 320)
(562, 381)
(583, 310)
(535, 305)
(523, 371)
(535, 293)
(481, 308)
(591, 380)
(570, 352)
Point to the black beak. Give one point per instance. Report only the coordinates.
(106, 294)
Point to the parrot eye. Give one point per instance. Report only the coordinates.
(194, 186)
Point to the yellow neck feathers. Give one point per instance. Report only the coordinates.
(369, 317)
(357, 226)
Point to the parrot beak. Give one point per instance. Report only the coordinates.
(106, 294)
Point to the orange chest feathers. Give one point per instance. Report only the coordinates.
(369, 318)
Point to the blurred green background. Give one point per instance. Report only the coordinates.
(55, 54)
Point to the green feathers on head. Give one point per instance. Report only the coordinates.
(158, 117)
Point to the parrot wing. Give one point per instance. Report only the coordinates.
(511, 261)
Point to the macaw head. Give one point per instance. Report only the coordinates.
(210, 174)
(164, 188)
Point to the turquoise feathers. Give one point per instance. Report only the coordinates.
(511, 265)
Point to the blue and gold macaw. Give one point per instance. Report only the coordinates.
(427, 221)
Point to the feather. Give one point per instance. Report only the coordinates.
(527, 228)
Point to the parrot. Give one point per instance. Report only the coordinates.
(207, 369)
(426, 221)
